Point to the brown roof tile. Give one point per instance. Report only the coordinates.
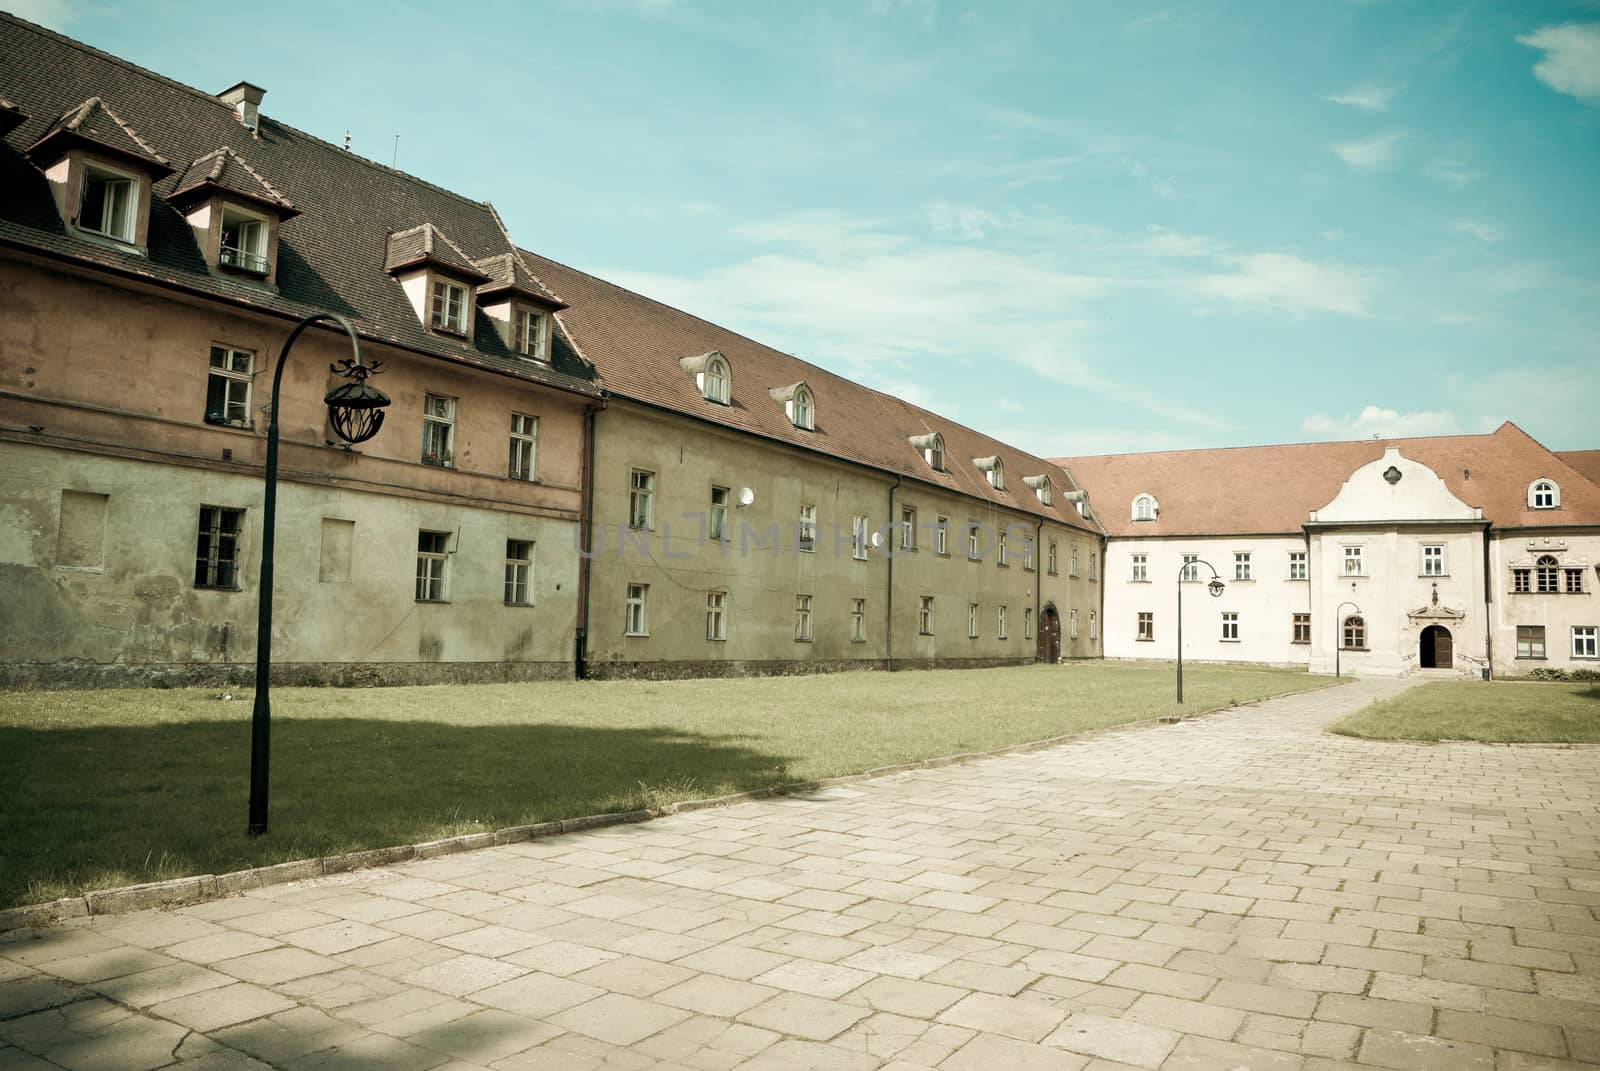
(94, 122)
(1585, 462)
(224, 169)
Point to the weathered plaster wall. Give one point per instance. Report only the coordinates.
(1558, 613)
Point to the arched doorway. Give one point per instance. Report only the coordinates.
(1049, 635)
(1437, 648)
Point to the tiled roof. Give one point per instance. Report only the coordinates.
(638, 345)
(427, 244)
(1586, 462)
(1273, 489)
(507, 273)
(224, 169)
(330, 257)
(94, 122)
(11, 117)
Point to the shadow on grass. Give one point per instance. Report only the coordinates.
(85, 808)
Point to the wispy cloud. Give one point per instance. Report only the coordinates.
(1451, 172)
(1289, 283)
(1148, 22)
(1571, 61)
(1369, 154)
(56, 14)
(1481, 230)
(1369, 97)
(1377, 422)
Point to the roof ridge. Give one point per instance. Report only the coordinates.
(73, 118)
(1285, 446)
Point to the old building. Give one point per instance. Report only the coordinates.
(1466, 555)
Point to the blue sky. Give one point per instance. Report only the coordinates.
(1085, 228)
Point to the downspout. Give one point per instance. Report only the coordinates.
(580, 652)
(1488, 608)
(1038, 586)
(888, 629)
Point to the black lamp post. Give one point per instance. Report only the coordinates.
(356, 412)
(1215, 587)
(1338, 633)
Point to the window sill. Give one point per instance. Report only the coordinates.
(802, 641)
(716, 639)
(1002, 565)
(197, 587)
(1433, 576)
(928, 634)
(436, 464)
(519, 605)
(636, 635)
(1298, 579)
(1531, 658)
(862, 640)
(941, 554)
(1300, 643)
(1241, 580)
(236, 425)
(1052, 572)
(449, 332)
(1144, 639)
(1586, 658)
(1226, 640)
(1356, 649)
(433, 602)
(1352, 576)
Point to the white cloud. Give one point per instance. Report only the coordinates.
(1371, 98)
(1368, 153)
(56, 14)
(1571, 61)
(1452, 173)
(1376, 422)
(1290, 283)
(1481, 230)
(961, 221)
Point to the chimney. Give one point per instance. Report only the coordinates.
(245, 99)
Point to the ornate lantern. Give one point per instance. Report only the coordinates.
(1215, 587)
(356, 409)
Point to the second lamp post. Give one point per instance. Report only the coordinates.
(1215, 587)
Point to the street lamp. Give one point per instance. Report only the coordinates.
(1215, 587)
(356, 412)
(1338, 633)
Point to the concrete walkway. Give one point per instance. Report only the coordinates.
(1237, 892)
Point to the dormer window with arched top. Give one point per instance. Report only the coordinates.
(931, 446)
(1544, 494)
(1145, 508)
(1041, 488)
(993, 469)
(713, 376)
(799, 405)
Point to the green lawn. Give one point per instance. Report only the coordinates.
(107, 788)
(1497, 712)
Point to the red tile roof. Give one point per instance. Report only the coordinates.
(1585, 461)
(1273, 489)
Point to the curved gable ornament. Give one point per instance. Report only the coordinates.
(1434, 612)
(1395, 488)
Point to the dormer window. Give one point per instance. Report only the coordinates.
(1041, 488)
(235, 214)
(993, 469)
(515, 301)
(798, 404)
(1544, 494)
(528, 334)
(439, 280)
(108, 205)
(244, 241)
(714, 381)
(932, 447)
(100, 172)
(449, 306)
(1144, 508)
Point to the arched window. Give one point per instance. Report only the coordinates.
(805, 409)
(1545, 574)
(997, 475)
(931, 446)
(1544, 494)
(716, 384)
(1144, 508)
(1355, 633)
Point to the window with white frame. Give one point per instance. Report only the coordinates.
(858, 620)
(972, 620)
(941, 537)
(641, 498)
(1521, 581)
(524, 446)
(997, 475)
(217, 548)
(1433, 559)
(808, 529)
(228, 386)
(1530, 641)
(1144, 508)
(804, 407)
(925, 616)
(858, 537)
(1146, 625)
(934, 454)
(1355, 563)
(1583, 642)
(1072, 563)
(716, 381)
(1297, 565)
(1546, 571)
(1572, 582)
(244, 241)
(449, 306)
(438, 430)
(802, 618)
(519, 572)
(1027, 622)
(908, 528)
(1000, 548)
(1544, 494)
(716, 615)
(528, 334)
(717, 515)
(1230, 625)
(1093, 570)
(1094, 625)
(108, 207)
(1072, 624)
(636, 619)
(1141, 568)
(1050, 558)
(1241, 566)
(1027, 552)
(1001, 622)
(1191, 569)
(973, 545)
(1300, 628)
(433, 564)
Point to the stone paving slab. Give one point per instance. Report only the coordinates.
(1235, 892)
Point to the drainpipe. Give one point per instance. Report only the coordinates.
(888, 630)
(1038, 586)
(580, 650)
(1488, 608)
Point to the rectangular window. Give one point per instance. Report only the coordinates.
(802, 618)
(717, 517)
(858, 537)
(941, 537)
(1302, 628)
(1027, 622)
(908, 528)
(1050, 559)
(972, 620)
(519, 572)
(1072, 624)
(1027, 553)
(527, 334)
(637, 620)
(228, 386)
(1433, 560)
(449, 306)
(1191, 571)
(1141, 568)
(244, 242)
(1002, 622)
(108, 207)
(925, 616)
(1230, 625)
(1530, 641)
(1521, 581)
(1297, 565)
(641, 498)
(217, 551)
(858, 620)
(524, 446)
(1094, 625)
(808, 529)
(1354, 562)
(1545, 576)
(438, 430)
(716, 615)
(433, 561)
(1000, 547)
(1147, 627)
(1093, 557)
(1583, 642)
(1241, 566)
(1573, 581)
(972, 540)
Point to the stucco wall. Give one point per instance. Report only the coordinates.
(1558, 612)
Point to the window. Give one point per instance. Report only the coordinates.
(1544, 494)
(1297, 565)
(1050, 558)
(1001, 623)
(1573, 581)
(637, 620)
(1027, 553)
(1241, 566)
(432, 562)
(1094, 625)
(1141, 568)
(858, 620)
(1354, 562)
(1583, 642)
(908, 528)
(528, 334)
(802, 618)
(804, 409)
(1230, 625)
(715, 381)
(1545, 573)
(1027, 622)
(972, 620)
(972, 540)
(997, 475)
(1000, 547)
(108, 207)
(1355, 634)
(519, 572)
(1144, 508)
(217, 551)
(1072, 624)
(1433, 560)
(1147, 627)
(449, 306)
(1521, 581)
(808, 528)
(1072, 563)
(1302, 628)
(524, 446)
(1191, 569)
(925, 616)
(717, 516)
(1093, 557)
(935, 454)
(941, 536)
(858, 537)
(716, 615)
(438, 430)
(228, 386)
(244, 241)
(1530, 641)
(641, 499)
(1041, 488)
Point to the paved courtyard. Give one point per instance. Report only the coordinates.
(1237, 892)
